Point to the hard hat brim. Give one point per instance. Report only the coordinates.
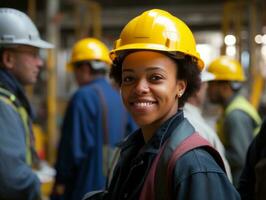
(35, 43)
(156, 47)
(41, 44)
(206, 76)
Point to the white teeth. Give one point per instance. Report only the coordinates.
(143, 104)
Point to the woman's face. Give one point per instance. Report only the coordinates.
(150, 88)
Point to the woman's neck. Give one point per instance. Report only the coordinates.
(148, 132)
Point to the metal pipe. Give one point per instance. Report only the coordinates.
(53, 36)
(256, 75)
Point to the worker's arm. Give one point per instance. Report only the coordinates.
(17, 181)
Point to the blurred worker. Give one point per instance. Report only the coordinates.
(252, 182)
(20, 64)
(193, 112)
(239, 120)
(94, 123)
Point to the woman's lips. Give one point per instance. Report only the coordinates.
(142, 105)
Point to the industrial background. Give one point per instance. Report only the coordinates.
(236, 28)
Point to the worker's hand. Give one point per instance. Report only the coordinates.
(57, 192)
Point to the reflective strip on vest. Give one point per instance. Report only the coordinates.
(10, 99)
(239, 103)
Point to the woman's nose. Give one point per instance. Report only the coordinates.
(142, 87)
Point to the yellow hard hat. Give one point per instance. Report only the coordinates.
(227, 69)
(157, 30)
(89, 49)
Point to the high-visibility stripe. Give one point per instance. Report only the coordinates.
(239, 103)
(10, 99)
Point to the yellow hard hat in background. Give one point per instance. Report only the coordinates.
(227, 69)
(89, 49)
(157, 30)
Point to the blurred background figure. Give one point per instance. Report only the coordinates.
(239, 120)
(20, 64)
(95, 121)
(252, 183)
(193, 112)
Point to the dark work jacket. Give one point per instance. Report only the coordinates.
(79, 163)
(196, 174)
(256, 151)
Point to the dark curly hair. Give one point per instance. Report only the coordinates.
(187, 70)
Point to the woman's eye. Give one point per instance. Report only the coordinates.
(127, 79)
(156, 78)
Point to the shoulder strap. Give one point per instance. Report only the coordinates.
(157, 170)
(104, 113)
(192, 142)
(159, 189)
(107, 154)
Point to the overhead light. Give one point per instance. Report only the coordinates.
(258, 39)
(263, 51)
(230, 40)
(264, 39)
(231, 51)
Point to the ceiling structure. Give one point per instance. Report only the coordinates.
(200, 15)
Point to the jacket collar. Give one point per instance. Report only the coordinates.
(10, 83)
(157, 140)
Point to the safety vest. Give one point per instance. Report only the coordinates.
(10, 99)
(239, 103)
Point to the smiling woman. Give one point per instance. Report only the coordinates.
(149, 89)
(157, 67)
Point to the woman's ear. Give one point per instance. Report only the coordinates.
(8, 59)
(181, 87)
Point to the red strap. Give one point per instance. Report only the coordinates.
(147, 192)
(191, 142)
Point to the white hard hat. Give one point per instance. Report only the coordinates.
(206, 76)
(16, 28)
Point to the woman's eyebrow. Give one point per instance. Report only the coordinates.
(127, 70)
(148, 69)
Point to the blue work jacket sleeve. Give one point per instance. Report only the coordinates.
(17, 181)
(198, 176)
(76, 137)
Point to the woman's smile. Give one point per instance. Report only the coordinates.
(142, 105)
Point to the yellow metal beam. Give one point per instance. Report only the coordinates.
(96, 16)
(89, 19)
(257, 79)
(53, 32)
(256, 90)
(32, 9)
(32, 14)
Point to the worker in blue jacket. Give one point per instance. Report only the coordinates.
(20, 64)
(95, 121)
